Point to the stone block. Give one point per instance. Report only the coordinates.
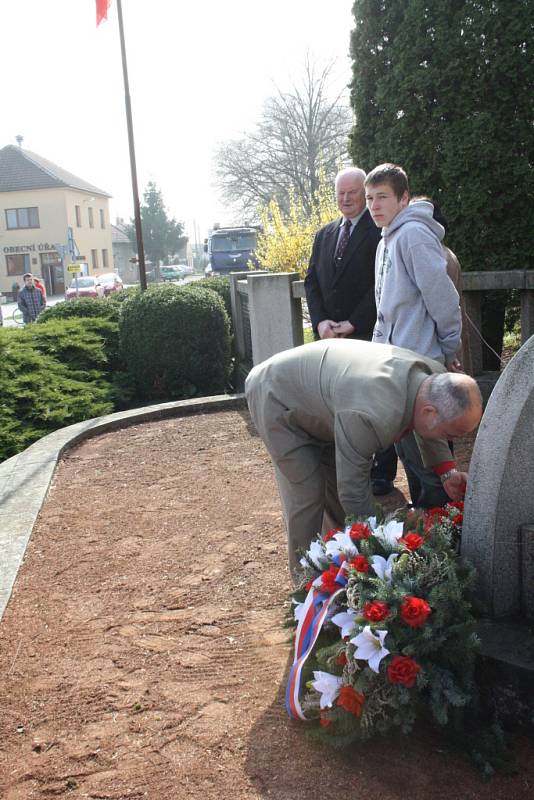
(500, 497)
(527, 571)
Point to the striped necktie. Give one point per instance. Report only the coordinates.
(343, 241)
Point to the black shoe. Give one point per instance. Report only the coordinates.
(381, 486)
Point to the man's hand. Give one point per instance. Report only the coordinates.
(327, 329)
(344, 328)
(455, 486)
(454, 365)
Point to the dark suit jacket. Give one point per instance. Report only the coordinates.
(346, 291)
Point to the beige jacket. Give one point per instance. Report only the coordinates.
(358, 395)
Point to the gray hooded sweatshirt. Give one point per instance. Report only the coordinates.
(417, 304)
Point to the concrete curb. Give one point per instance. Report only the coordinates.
(25, 478)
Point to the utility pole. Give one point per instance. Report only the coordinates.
(133, 167)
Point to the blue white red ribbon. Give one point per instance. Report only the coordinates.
(314, 613)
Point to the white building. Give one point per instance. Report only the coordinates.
(49, 218)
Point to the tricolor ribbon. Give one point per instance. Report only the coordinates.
(314, 613)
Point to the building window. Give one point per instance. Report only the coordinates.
(91, 221)
(18, 265)
(94, 259)
(102, 218)
(105, 262)
(78, 211)
(22, 218)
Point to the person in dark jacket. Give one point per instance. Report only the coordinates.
(340, 285)
(30, 300)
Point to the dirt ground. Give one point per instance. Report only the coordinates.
(143, 653)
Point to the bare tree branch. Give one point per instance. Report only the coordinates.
(300, 132)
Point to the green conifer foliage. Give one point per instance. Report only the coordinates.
(445, 89)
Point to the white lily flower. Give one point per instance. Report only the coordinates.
(328, 686)
(297, 611)
(371, 522)
(383, 569)
(341, 544)
(370, 647)
(345, 621)
(390, 533)
(316, 555)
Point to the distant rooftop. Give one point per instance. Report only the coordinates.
(21, 169)
(118, 236)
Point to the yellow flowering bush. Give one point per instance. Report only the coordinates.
(286, 242)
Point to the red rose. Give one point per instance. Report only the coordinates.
(341, 658)
(351, 700)
(458, 518)
(403, 670)
(328, 580)
(375, 611)
(414, 611)
(359, 531)
(412, 541)
(360, 564)
(331, 533)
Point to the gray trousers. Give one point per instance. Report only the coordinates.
(312, 506)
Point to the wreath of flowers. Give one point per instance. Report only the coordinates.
(385, 632)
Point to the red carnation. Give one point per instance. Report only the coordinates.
(341, 658)
(414, 611)
(331, 533)
(403, 670)
(359, 531)
(433, 516)
(412, 541)
(351, 700)
(375, 611)
(328, 580)
(457, 517)
(360, 564)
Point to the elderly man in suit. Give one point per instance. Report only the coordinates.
(325, 408)
(340, 285)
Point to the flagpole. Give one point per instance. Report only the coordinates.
(133, 168)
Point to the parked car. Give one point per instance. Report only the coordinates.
(88, 286)
(173, 272)
(111, 282)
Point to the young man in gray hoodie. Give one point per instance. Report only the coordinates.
(417, 304)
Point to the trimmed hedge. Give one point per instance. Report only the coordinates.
(175, 342)
(218, 284)
(81, 307)
(50, 377)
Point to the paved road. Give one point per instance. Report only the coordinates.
(7, 309)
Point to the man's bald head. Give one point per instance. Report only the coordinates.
(447, 405)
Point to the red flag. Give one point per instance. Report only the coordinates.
(102, 7)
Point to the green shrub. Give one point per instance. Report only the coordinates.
(118, 298)
(81, 307)
(175, 342)
(82, 344)
(218, 284)
(39, 393)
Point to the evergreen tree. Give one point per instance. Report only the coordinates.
(163, 237)
(444, 88)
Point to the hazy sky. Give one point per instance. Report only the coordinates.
(199, 72)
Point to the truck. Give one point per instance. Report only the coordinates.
(231, 249)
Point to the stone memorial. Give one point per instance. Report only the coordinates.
(499, 508)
